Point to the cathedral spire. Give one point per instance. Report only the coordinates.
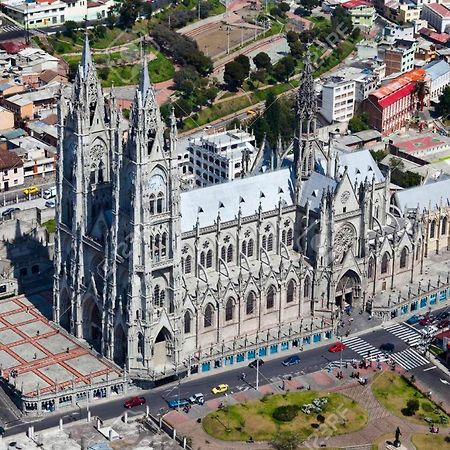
(306, 96)
(86, 57)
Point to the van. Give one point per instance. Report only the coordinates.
(50, 192)
(178, 403)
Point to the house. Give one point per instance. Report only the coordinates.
(439, 73)
(50, 76)
(338, 99)
(361, 12)
(437, 15)
(398, 56)
(36, 14)
(11, 170)
(6, 119)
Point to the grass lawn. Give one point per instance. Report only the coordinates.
(428, 441)
(254, 418)
(319, 22)
(393, 391)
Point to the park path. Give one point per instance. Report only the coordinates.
(381, 423)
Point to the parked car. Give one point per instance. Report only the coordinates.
(255, 362)
(197, 398)
(178, 403)
(338, 347)
(387, 347)
(430, 330)
(413, 320)
(220, 389)
(50, 192)
(9, 211)
(135, 401)
(50, 203)
(291, 360)
(31, 190)
(425, 321)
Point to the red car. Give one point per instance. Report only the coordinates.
(425, 321)
(338, 347)
(135, 401)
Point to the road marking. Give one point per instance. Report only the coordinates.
(429, 368)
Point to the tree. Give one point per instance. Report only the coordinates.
(292, 36)
(359, 122)
(297, 49)
(412, 406)
(129, 12)
(284, 68)
(284, 7)
(234, 75)
(421, 89)
(309, 5)
(244, 62)
(341, 20)
(182, 107)
(443, 106)
(262, 61)
(70, 28)
(259, 75)
(286, 440)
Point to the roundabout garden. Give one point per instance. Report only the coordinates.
(306, 413)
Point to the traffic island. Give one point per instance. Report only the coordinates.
(305, 413)
(400, 397)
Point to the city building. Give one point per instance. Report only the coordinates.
(391, 106)
(6, 119)
(438, 72)
(437, 15)
(11, 170)
(338, 99)
(220, 157)
(163, 281)
(403, 32)
(399, 56)
(361, 12)
(35, 14)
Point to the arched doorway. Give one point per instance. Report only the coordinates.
(348, 289)
(92, 324)
(163, 348)
(120, 346)
(65, 310)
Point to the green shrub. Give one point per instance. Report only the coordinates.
(427, 407)
(285, 413)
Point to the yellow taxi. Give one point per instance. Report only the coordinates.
(31, 190)
(220, 389)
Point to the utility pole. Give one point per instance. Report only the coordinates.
(228, 40)
(340, 363)
(257, 374)
(198, 9)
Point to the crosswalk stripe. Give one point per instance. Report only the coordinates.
(405, 333)
(409, 359)
(362, 347)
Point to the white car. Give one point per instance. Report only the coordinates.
(197, 398)
(430, 330)
(50, 204)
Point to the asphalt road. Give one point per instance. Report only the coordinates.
(17, 195)
(311, 361)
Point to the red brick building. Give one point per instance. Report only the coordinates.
(392, 105)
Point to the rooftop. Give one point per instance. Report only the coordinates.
(9, 159)
(355, 3)
(437, 68)
(442, 10)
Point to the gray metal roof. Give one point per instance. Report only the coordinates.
(360, 165)
(226, 198)
(313, 188)
(428, 196)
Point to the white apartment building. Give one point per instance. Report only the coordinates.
(37, 14)
(338, 99)
(217, 158)
(437, 15)
(78, 10)
(438, 72)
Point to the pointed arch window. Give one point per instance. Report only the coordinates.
(404, 258)
(432, 229)
(208, 319)
(202, 259)
(289, 238)
(290, 294)
(152, 203)
(230, 253)
(385, 263)
(250, 303)
(283, 237)
(307, 288)
(244, 248)
(270, 298)
(156, 248)
(209, 258)
(444, 226)
(141, 345)
(188, 264)
(223, 253)
(158, 296)
(229, 309)
(270, 242)
(187, 322)
(160, 203)
(264, 242)
(164, 245)
(250, 247)
(370, 269)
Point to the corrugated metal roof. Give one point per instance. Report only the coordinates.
(436, 69)
(428, 196)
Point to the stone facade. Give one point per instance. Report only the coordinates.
(152, 276)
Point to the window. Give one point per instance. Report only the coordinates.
(444, 226)
(264, 242)
(229, 310)
(160, 203)
(250, 303)
(152, 204)
(290, 292)
(244, 247)
(230, 253)
(404, 258)
(370, 268)
(432, 229)
(384, 263)
(270, 242)
(223, 253)
(307, 288)
(188, 264)
(208, 319)
(289, 238)
(209, 257)
(202, 259)
(250, 248)
(283, 237)
(270, 298)
(187, 322)
(158, 296)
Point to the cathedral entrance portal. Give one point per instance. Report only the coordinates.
(348, 289)
(92, 324)
(163, 348)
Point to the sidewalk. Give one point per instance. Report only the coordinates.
(380, 421)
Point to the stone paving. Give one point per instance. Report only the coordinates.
(380, 420)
